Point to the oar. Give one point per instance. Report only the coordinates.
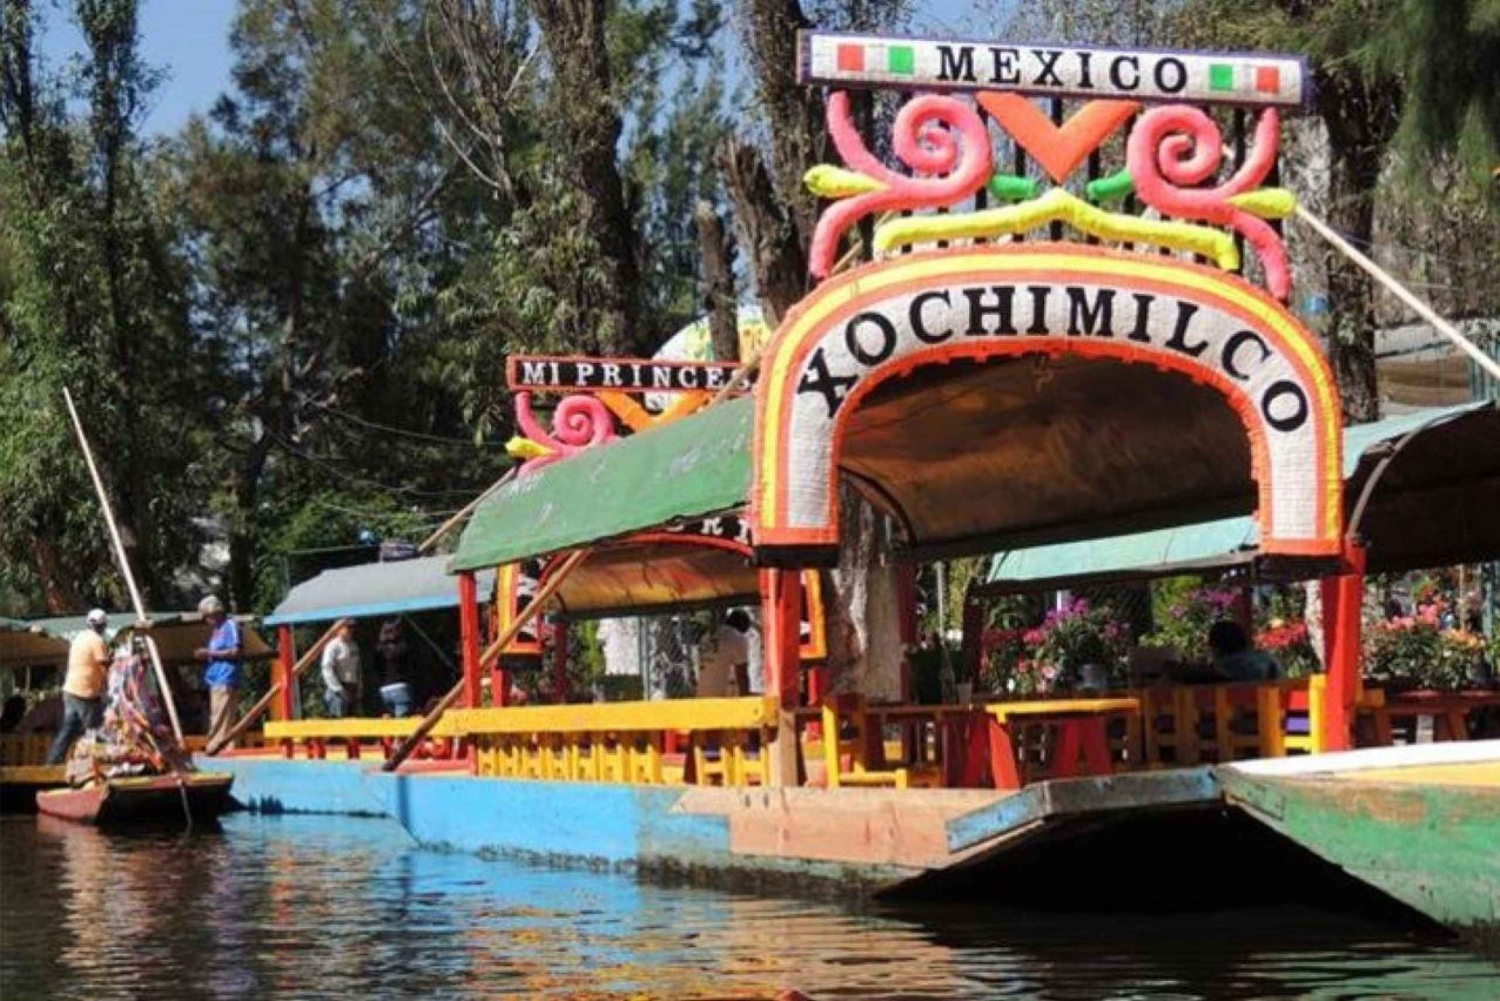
(260, 707)
(569, 564)
(119, 548)
(1400, 291)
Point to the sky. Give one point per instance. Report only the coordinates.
(189, 39)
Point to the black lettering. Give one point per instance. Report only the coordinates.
(1118, 79)
(1007, 66)
(1276, 391)
(978, 310)
(1039, 294)
(887, 339)
(1046, 75)
(1179, 75)
(918, 328)
(1098, 319)
(1185, 313)
(1142, 316)
(1231, 351)
(817, 379)
(960, 67)
(1084, 80)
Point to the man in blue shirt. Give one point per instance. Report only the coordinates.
(221, 671)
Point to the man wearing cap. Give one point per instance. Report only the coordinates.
(83, 688)
(221, 670)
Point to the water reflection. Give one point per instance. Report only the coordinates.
(334, 908)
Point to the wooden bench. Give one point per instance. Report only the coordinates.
(853, 730)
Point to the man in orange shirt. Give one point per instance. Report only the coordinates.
(83, 688)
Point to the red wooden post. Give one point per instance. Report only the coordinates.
(560, 661)
(1343, 603)
(781, 618)
(781, 611)
(468, 631)
(286, 658)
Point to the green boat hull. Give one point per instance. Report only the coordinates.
(1434, 847)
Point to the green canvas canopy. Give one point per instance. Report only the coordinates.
(696, 466)
(1433, 479)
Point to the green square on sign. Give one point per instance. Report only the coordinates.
(1221, 76)
(901, 59)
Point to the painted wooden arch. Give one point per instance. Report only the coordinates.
(885, 320)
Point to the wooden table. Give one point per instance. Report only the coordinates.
(1449, 711)
(1081, 732)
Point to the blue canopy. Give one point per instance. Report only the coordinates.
(1447, 450)
(375, 589)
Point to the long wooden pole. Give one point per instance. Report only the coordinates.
(555, 581)
(119, 547)
(260, 707)
(1421, 308)
(465, 511)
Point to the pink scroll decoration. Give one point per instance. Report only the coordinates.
(1171, 149)
(578, 423)
(922, 146)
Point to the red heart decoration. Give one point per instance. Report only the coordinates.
(1059, 149)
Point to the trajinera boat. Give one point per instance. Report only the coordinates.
(131, 770)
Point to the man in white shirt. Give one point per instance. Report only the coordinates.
(341, 678)
(724, 670)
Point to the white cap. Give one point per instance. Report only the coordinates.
(210, 605)
(96, 617)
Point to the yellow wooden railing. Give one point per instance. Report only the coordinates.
(24, 749)
(721, 739)
(596, 742)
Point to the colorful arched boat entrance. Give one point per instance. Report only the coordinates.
(886, 321)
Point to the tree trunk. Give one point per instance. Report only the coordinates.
(574, 33)
(777, 254)
(1360, 125)
(865, 651)
(718, 283)
(242, 536)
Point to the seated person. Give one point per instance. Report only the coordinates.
(1235, 657)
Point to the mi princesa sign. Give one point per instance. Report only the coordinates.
(841, 60)
(622, 375)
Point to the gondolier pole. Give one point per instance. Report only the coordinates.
(465, 511)
(1421, 308)
(544, 595)
(119, 547)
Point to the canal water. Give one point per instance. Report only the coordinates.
(324, 907)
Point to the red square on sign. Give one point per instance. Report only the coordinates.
(1268, 79)
(852, 58)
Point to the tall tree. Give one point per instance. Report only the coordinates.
(776, 216)
(94, 300)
